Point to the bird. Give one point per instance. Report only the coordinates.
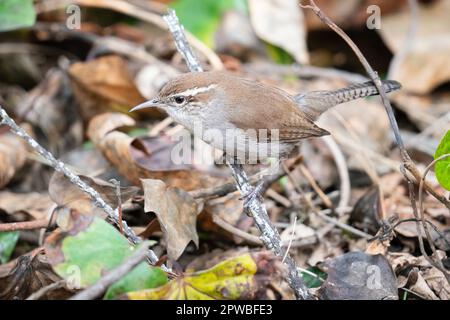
(249, 120)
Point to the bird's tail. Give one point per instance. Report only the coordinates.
(315, 103)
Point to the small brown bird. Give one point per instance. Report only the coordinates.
(249, 120)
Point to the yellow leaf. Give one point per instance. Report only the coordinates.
(235, 278)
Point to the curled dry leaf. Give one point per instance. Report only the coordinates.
(137, 158)
(242, 277)
(416, 274)
(50, 108)
(427, 64)
(177, 214)
(359, 276)
(281, 23)
(29, 273)
(65, 193)
(13, 154)
(105, 84)
(37, 205)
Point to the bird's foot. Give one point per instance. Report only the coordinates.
(249, 197)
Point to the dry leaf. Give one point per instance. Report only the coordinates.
(50, 107)
(137, 158)
(105, 84)
(280, 22)
(242, 277)
(30, 273)
(37, 205)
(301, 231)
(177, 215)
(427, 65)
(67, 194)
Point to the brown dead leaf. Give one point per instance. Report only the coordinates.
(13, 153)
(177, 215)
(427, 65)
(50, 107)
(29, 273)
(417, 284)
(105, 84)
(67, 194)
(437, 282)
(137, 158)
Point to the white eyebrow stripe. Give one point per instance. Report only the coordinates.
(194, 91)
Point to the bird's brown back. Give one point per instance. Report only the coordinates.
(277, 109)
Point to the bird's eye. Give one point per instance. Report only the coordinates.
(179, 99)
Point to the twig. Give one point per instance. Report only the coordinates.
(406, 159)
(304, 71)
(223, 190)
(113, 276)
(134, 11)
(116, 183)
(25, 225)
(341, 164)
(294, 223)
(438, 264)
(269, 234)
(307, 174)
(408, 44)
(61, 167)
(238, 232)
(342, 225)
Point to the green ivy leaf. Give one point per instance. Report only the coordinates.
(202, 18)
(92, 248)
(8, 241)
(442, 167)
(15, 14)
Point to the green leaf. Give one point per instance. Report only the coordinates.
(314, 281)
(15, 14)
(202, 18)
(141, 277)
(8, 241)
(91, 249)
(442, 167)
(278, 55)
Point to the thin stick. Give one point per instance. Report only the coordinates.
(255, 208)
(291, 238)
(237, 232)
(44, 290)
(407, 162)
(307, 174)
(61, 167)
(438, 264)
(102, 285)
(25, 225)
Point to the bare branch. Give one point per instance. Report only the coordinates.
(61, 167)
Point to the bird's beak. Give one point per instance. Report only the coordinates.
(148, 104)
